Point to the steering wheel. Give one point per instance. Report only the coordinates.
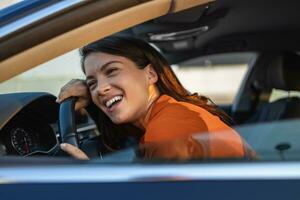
(67, 125)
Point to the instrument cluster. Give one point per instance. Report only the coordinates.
(27, 135)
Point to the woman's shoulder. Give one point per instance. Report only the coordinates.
(170, 119)
(167, 105)
(168, 109)
(179, 121)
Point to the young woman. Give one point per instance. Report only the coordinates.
(138, 95)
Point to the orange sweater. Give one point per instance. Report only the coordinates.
(175, 123)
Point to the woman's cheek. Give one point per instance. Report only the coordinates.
(95, 99)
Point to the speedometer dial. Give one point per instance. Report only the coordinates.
(22, 141)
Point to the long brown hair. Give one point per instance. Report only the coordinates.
(142, 54)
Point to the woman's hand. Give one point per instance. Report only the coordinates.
(74, 151)
(75, 88)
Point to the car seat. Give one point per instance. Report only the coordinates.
(282, 72)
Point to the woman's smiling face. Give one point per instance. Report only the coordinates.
(121, 90)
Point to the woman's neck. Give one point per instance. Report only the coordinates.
(154, 94)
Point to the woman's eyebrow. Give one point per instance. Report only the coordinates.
(103, 67)
(88, 77)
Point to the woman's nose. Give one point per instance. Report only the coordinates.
(103, 88)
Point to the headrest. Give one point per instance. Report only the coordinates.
(284, 72)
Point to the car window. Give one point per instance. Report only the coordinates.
(48, 77)
(215, 76)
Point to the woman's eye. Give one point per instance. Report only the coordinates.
(91, 84)
(111, 71)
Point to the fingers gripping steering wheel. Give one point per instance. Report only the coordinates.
(67, 125)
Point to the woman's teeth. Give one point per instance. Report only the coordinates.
(113, 100)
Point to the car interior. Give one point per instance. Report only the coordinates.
(183, 31)
(276, 71)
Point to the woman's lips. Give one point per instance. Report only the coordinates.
(112, 100)
(114, 106)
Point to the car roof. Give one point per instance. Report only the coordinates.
(227, 26)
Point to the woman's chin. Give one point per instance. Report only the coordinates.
(121, 120)
(118, 120)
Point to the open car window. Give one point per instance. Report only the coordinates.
(210, 44)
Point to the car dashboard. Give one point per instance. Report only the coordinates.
(28, 124)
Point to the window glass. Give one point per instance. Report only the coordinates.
(48, 77)
(215, 76)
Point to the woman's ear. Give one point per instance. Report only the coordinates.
(151, 74)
